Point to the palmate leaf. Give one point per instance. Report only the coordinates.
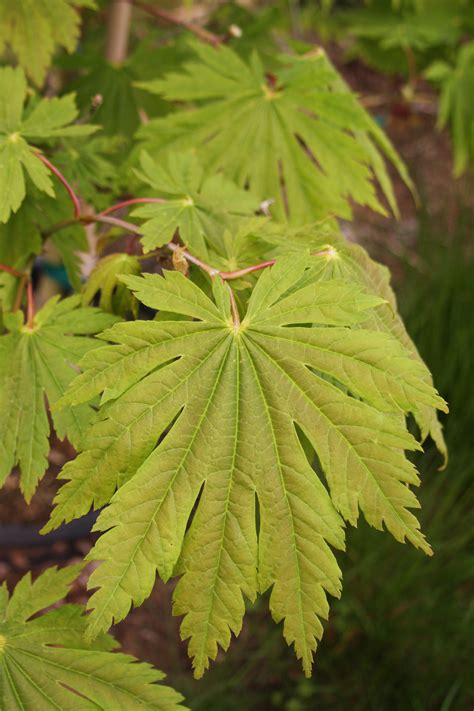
(299, 136)
(197, 204)
(33, 28)
(45, 663)
(198, 418)
(456, 106)
(48, 119)
(36, 363)
(346, 260)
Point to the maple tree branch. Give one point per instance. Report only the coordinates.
(171, 19)
(30, 304)
(75, 200)
(19, 292)
(113, 221)
(118, 31)
(132, 201)
(11, 270)
(233, 307)
(247, 270)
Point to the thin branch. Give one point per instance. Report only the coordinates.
(246, 270)
(62, 179)
(59, 226)
(114, 221)
(234, 308)
(30, 307)
(132, 201)
(11, 270)
(19, 292)
(118, 31)
(171, 19)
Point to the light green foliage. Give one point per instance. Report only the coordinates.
(104, 278)
(33, 28)
(345, 260)
(20, 240)
(419, 31)
(90, 164)
(45, 663)
(48, 119)
(456, 104)
(299, 136)
(201, 414)
(200, 205)
(36, 362)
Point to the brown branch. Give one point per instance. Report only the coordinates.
(234, 308)
(118, 31)
(19, 292)
(132, 201)
(75, 200)
(30, 304)
(171, 19)
(11, 270)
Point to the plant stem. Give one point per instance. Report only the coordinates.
(118, 31)
(246, 270)
(233, 307)
(114, 221)
(30, 308)
(11, 270)
(59, 226)
(132, 201)
(19, 292)
(75, 200)
(170, 18)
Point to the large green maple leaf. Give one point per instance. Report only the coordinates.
(32, 29)
(36, 362)
(197, 204)
(299, 136)
(45, 663)
(199, 432)
(48, 119)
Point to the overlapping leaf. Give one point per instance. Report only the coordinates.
(199, 416)
(298, 136)
(199, 205)
(341, 259)
(48, 119)
(35, 363)
(45, 663)
(33, 28)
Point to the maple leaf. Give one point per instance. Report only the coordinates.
(46, 120)
(198, 421)
(299, 136)
(456, 110)
(45, 663)
(32, 29)
(198, 204)
(36, 362)
(342, 259)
